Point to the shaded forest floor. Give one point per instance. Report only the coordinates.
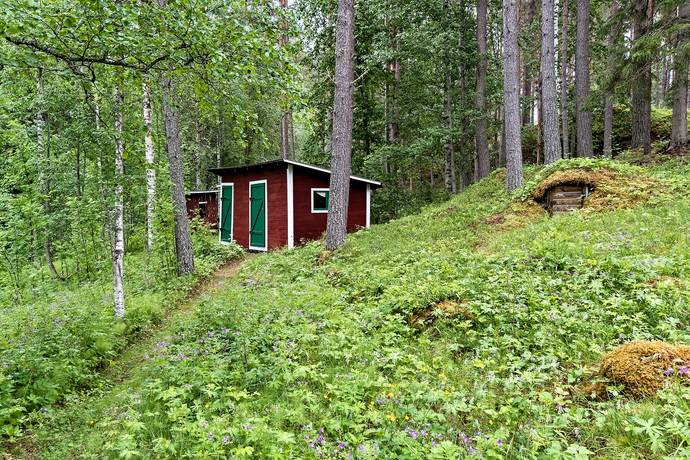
(81, 412)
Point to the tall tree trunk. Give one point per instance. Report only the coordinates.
(336, 228)
(608, 95)
(584, 114)
(679, 123)
(285, 150)
(183, 238)
(549, 113)
(45, 170)
(527, 77)
(197, 156)
(511, 95)
(449, 170)
(150, 170)
(564, 79)
(642, 81)
(119, 243)
(481, 140)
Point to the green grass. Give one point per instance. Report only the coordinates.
(57, 338)
(307, 356)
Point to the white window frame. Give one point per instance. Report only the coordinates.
(220, 212)
(320, 211)
(249, 229)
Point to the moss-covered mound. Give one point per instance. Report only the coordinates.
(643, 366)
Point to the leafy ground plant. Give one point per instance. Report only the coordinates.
(311, 355)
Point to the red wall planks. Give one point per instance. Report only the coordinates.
(311, 226)
(307, 225)
(211, 199)
(276, 191)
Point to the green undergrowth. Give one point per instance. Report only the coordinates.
(307, 354)
(61, 340)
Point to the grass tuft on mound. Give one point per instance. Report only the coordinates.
(643, 366)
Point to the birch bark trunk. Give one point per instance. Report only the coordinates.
(336, 228)
(150, 170)
(511, 95)
(549, 112)
(119, 244)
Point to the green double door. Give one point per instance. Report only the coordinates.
(257, 215)
(226, 197)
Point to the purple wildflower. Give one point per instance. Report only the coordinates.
(499, 442)
(247, 427)
(668, 372)
(342, 445)
(321, 439)
(226, 439)
(683, 371)
(211, 437)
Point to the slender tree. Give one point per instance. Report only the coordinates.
(449, 169)
(679, 129)
(481, 140)
(150, 169)
(45, 169)
(552, 147)
(608, 91)
(641, 103)
(119, 243)
(183, 238)
(583, 115)
(336, 227)
(563, 43)
(285, 144)
(511, 95)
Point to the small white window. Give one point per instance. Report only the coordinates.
(320, 198)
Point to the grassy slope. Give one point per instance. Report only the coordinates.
(311, 356)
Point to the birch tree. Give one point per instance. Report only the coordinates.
(552, 148)
(336, 227)
(511, 95)
(118, 222)
(150, 169)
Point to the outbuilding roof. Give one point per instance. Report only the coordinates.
(272, 163)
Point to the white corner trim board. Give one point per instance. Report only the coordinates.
(290, 207)
(368, 222)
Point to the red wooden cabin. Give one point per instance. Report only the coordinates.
(283, 203)
(204, 205)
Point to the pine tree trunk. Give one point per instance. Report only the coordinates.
(549, 114)
(527, 80)
(197, 156)
(481, 141)
(564, 79)
(608, 96)
(583, 112)
(511, 95)
(183, 238)
(119, 243)
(336, 228)
(150, 170)
(679, 123)
(449, 176)
(642, 81)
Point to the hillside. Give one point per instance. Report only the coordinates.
(472, 327)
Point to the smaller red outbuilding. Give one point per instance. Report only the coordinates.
(204, 205)
(283, 203)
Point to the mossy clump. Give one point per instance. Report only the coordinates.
(642, 367)
(446, 308)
